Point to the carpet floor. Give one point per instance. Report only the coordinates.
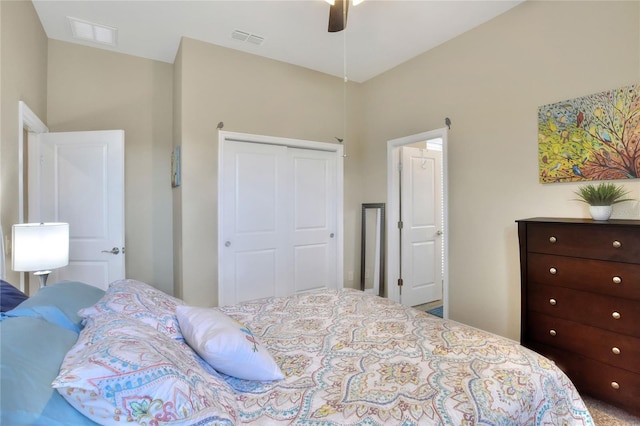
(607, 415)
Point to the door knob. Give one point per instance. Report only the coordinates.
(114, 250)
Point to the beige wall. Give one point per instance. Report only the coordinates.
(250, 95)
(490, 82)
(94, 89)
(23, 60)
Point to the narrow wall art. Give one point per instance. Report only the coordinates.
(594, 137)
(175, 167)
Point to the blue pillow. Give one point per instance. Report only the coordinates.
(48, 313)
(67, 296)
(31, 353)
(10, 297)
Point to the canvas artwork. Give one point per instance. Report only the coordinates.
(595, 137)
(175, 167)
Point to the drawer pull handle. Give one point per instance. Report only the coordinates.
(553, 271)
(617, 244)
(615, 385)
(552, 332)
(617, 280)
(553, 240)
(552, 302)
(616, 315)
(616, 351)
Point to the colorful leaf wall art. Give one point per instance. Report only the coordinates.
(595, 137)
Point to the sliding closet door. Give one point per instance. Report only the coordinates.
(314, 218)
(279, 221)
(256, 260)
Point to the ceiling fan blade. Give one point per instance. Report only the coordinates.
(338, 16)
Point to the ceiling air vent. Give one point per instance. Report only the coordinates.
(240, 35)
(95, 33)
(254, 39)
(247, 37)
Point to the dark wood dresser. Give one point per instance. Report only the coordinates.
(581, 302)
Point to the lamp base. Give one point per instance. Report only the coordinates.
(43, 275)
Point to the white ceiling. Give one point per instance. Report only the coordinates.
(380, 34)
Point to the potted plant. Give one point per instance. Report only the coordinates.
(601, 198)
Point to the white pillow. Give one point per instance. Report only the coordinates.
(226, 344)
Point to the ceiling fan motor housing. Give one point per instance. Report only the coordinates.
(338, 16)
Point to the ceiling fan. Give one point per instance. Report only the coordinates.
(338, 14)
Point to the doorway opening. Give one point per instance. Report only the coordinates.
(417, 273)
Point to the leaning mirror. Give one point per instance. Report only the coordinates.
(372, 249)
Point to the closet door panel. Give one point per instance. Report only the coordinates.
(255, 274)
(313, 230)
(255, 216)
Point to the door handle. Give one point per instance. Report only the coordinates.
(114, 250)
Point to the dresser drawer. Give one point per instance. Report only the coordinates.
(584, 240)
(611, 278)
(605, 346)
(614, 385)
(610, 313)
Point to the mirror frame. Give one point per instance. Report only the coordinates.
(363, 245)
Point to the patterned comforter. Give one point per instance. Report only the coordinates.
(350, 358)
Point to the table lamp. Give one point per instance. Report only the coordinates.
(39, 248)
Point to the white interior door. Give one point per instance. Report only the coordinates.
(78, 177)
(421, 216)
(279, 220)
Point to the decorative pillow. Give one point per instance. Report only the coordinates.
(10, 297)
(31, 353)
(123, 371)
(141, 301)
(226, 344)
(58, 300)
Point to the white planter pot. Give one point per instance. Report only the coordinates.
(600, 212)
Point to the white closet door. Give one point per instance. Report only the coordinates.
(279, 221)
(255, 257)
(314, 218)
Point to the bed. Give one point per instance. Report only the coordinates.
(133, 355)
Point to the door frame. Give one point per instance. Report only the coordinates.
(27, 120)
(224, 136)
(393, 217)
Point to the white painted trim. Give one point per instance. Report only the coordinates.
(30, 120)
(224, 136)
(393, 234)
(27, 119)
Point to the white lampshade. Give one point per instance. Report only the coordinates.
(40, 246)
